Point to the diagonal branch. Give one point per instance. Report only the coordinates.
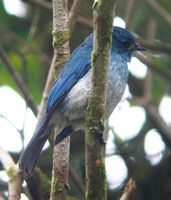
(14, 40)
(154, 46)
(158, 47)
(129, 188)
(151, 65)
(48, 7)
(14, 174)
(76, 179)
(19, 81)
(74, 12)
(41, 4)
(159, 123)
(129, 11)
(160, 10)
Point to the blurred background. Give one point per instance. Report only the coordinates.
(139, 140)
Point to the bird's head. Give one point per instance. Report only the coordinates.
(123, 42)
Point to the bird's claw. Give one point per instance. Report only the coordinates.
(99, 135)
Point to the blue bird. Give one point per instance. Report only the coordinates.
(67, 102)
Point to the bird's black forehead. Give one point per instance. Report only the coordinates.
(122, 34)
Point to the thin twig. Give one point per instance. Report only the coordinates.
(48, 7)
(19, 81)
(76, 179)
(41, 3)
(155, 118)
(150, 64)
(14, 174)
(129, 188)
(147, 81)
(74, 12)
(14, 40)
(159, 123)
(4, 117)
(129, 11)
(33, 27)
(160, 10)
(155, 46)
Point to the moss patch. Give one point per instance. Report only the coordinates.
(59, 38)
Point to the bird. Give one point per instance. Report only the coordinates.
(68, 98)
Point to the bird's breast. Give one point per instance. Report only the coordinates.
(75, 103)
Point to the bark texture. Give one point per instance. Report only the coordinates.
(95, 150)
(61, 52)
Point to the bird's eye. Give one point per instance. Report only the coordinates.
(127, 44)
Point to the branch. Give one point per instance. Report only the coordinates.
(154, 46)
(19, 81)
(74, 12)
(5, 118)
(41, 4)
(129, 11)
(95, 150)
(150, 64)
(51, 77)
(161, 11)
(158, 47)
(61, 52)
(33, 28)
(129, 188)
(155, 118)
(147, 81)
(76, 179)
(14, 40)
(150, 109)
(48, 7)
(14, 174)
(159, 123)
(17, 41)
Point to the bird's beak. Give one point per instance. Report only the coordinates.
(138, 47)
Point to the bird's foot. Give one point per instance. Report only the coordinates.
(67, 186)
(99, 134)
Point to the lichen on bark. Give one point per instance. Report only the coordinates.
(61, 53)
(96, 116)
(59, 38)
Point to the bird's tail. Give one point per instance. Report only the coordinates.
(30, 155)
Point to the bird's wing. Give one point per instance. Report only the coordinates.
(77, 66)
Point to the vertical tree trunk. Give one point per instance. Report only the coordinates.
(61, 53)
(95, 150)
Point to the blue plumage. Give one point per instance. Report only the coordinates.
(76, 67)
(67, 102)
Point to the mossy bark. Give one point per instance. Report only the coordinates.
(60, 44)
(61, 53)
(95, 148)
